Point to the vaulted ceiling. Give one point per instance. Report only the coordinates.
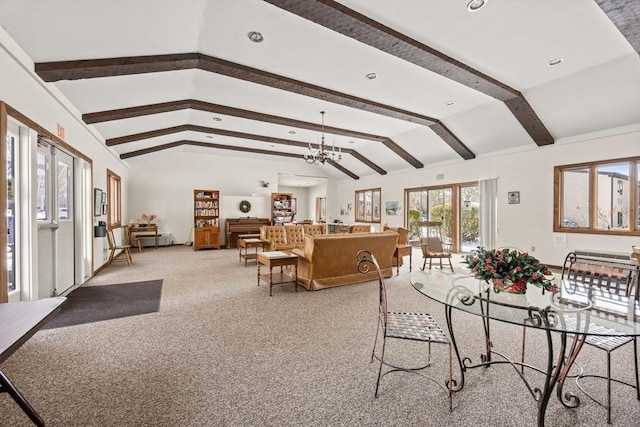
(403, 84)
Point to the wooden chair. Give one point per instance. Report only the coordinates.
(133, 239)
(403, 248)
(117, 250)
(432, 244)
(404, 326)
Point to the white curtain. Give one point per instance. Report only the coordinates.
(488, 212)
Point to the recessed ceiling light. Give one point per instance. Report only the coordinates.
(476, 5)
(555, 61)
(449, 103)
(292, 132)
(352, 142)
(371, 76)
(255, 37)
(271, 145)
(217, 119)
(210, 136)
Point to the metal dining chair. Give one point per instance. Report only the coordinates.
(404, 326)
(603, 280)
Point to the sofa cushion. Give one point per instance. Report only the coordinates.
(313, 230)
(295, 235)
(276, 237)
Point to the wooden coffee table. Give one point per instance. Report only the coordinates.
(278, 259)
(246, 244)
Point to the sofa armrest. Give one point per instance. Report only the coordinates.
(300, 253)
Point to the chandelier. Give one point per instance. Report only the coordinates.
(321, 154)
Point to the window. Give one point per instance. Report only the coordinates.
(42, 189)
(368, 205)
(114, 211)
(321, 209)
(599, 197)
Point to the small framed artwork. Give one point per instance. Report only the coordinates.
(104, 209)
(97, 201)
(392, 208)
(104, 197)
(514, 197)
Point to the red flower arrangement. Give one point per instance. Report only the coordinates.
(511, 267)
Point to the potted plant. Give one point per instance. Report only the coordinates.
(508, 269)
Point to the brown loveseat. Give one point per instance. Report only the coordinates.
(330, 260)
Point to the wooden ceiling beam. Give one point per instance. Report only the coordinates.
(339, 18)
(93, 68)
(226, 147)
(233, 134)
(624, 14)
(144, 110)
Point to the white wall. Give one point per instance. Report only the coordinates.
(163, 184)
(42, 103)
(301, 194)
(525, 225)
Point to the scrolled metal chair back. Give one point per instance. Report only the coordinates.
(365, 261)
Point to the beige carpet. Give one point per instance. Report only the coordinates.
(221, 352)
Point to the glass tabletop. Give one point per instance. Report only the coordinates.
(575, 308)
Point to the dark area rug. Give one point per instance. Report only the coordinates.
(96, 303)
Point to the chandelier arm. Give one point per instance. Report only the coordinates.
(323, 153)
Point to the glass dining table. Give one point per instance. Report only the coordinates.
(575, 311)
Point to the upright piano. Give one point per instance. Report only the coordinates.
(245, 225)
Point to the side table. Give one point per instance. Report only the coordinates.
(246, 244)
(278, 259)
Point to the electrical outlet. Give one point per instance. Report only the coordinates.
(533, 248)
(440, 176)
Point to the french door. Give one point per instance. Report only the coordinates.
(55, 218)
(456, 206)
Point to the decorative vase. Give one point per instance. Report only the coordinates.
(501, 285)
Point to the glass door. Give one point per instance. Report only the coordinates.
(469, 217)
(430, 204)
(55, 218)
(12, 215)
(456, 206)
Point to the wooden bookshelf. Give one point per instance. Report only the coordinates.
(283, 208)
(206, 212)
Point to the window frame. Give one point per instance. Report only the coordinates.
(114, 201)
(377, 192)
(634, 226)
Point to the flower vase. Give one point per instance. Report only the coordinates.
(502, 285)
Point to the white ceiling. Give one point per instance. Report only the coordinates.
(595, 89)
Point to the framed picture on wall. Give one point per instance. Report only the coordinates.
(104, 209)
(514, 197)
(104, 197)
(97, 201)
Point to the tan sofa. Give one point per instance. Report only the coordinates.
(314, 229)
(330, 260)
(360, 228)
(282, 237)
